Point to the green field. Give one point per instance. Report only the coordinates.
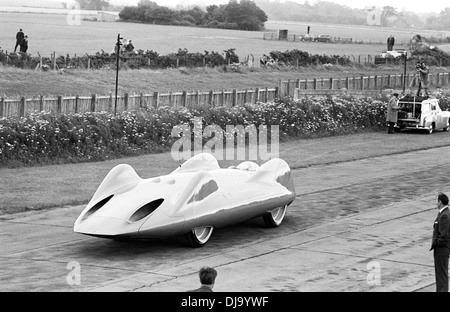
(50, 33)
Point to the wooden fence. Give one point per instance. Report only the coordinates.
(359, 83)
(275, 35)
(303, 38)
(21, 107)
(80, 104)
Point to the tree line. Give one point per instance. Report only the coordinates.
(251, 15)
(243, 15)
(441, 21)
(329, 12)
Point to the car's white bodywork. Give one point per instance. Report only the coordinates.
(196, 196)
(422, 113)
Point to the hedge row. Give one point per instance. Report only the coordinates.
(151, 59)
(134, 60)
(431, 56)
(301, 58)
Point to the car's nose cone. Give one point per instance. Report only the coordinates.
(105, 226)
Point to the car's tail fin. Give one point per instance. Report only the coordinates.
(275, 170)
(199, 162)
(118, 180)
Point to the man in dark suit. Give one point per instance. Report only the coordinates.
(207, 279)
(390, 43)
(19, 37)
(441, 243)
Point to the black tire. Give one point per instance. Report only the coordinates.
(275, 217)
(198, 237)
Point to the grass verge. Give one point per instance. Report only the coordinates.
(45, 187)
(18, 82)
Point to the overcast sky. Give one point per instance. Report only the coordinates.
(411, 5)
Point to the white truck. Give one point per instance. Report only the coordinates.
(421, 113)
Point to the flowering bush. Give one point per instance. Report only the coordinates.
(46, 138)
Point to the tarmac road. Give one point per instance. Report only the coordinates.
(363, 225)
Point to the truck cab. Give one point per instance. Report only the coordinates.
(418, 112)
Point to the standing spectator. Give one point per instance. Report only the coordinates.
(422, 71)
(307, 30)
(441, 243)
(392, 109)
(207, 279)
(390, 43)
(24, 45)
(129, 47)
(19, 37)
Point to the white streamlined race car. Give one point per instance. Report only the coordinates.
(196, 198)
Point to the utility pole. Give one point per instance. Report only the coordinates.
(118, 44)
(405, 55)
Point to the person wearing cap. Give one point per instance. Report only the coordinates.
(392, 110)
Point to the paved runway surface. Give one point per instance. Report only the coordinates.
(356, 226)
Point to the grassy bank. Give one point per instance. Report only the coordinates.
(17, 82)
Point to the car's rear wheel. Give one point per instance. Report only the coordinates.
(431, 129)
(448, 126)
(198, 237)
(275, 217)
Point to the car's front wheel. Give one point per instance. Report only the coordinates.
(198, 237)
(275, 217)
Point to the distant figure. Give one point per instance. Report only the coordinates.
(267, 61)
(390, 43)
(19, 37)
(207, 279)
(24, 45)
(392, 110)
(307, 30)
(129, 47)
(263, 60)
